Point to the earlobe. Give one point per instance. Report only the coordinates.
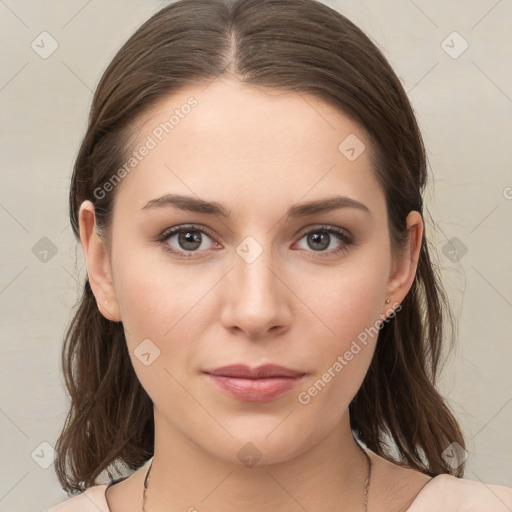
(97, 258)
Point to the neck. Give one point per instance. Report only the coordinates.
(330, 475)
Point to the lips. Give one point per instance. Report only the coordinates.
(265, 371)
(260, 384)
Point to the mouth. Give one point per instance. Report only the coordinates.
(244, 371)
(260, 384)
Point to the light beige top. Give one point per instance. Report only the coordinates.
(443, 493)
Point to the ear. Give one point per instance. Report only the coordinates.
(99, 268)
(404, 268)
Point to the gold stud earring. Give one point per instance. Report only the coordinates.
(388, 301)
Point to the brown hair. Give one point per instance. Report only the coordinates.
(292, 45)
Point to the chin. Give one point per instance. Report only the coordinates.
(263, 443)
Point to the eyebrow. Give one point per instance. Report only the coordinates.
(194, 204)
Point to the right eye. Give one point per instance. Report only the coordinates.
(189, 239)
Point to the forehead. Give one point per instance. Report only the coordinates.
(243, 117)
(233, 136)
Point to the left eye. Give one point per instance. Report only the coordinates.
(321, 237)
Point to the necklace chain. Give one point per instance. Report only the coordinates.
(365, 491)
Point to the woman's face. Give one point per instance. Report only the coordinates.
(268, 281)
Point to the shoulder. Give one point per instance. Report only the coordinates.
(449, 493)
(91, 500)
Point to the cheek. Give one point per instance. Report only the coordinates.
(152, 292)
(346, 300)
(161, 311)
(162, 302)
(348, 305)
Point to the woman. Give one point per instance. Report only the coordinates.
(261, 323)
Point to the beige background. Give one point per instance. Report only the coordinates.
(464, 106)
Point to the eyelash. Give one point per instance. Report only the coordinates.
(338, 233)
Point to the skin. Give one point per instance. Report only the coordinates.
(258, 152)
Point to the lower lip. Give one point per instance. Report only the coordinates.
(255, 390)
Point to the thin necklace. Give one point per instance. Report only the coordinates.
(365, 491)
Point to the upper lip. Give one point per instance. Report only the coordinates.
(244, 371)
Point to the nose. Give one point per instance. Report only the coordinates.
(257, 298)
